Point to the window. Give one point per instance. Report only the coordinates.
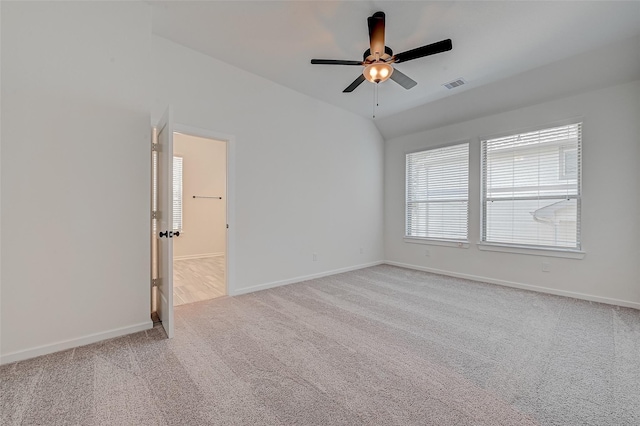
(437, 193)
(531, 188)
(177, 193)
(568, 163)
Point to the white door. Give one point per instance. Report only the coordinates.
(164, 231)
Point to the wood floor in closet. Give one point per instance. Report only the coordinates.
(195, 280)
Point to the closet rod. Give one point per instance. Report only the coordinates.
(202, 196)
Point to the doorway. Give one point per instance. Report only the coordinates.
(168, 197)
(199, 218)
(165, 200)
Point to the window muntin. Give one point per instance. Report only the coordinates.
(531, 188)
(437, 193)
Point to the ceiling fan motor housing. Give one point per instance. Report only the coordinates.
(368, 57)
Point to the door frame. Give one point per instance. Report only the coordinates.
(230, 271)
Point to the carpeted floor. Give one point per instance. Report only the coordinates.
(378, 346)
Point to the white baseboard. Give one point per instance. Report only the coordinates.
(513, 284)
(198, 256)
(73, 343)
(302, 278)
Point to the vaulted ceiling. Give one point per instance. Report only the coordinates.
(492, 42)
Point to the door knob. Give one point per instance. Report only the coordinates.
(176, 234)
(164, 234)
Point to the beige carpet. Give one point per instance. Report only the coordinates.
(379, 346)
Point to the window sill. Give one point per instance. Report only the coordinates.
(431, 242)
(566, 253)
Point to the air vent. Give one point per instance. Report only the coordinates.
(455, 83)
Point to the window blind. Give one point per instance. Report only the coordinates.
(437, 193)
(177, 193)
(531, 188)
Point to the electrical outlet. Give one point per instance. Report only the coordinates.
(427, 253)
(546, 266)
(315, 257)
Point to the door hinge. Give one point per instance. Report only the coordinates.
(227, 226)
(155, 282)
(155, 147)
(155, 215)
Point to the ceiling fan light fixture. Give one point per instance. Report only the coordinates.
(377, 72)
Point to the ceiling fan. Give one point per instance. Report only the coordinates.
(378, 59)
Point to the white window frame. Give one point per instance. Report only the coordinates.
(550, 251)
(460, 243)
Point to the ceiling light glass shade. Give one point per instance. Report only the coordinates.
(378, 72)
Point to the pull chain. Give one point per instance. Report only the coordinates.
(375, 100)
(375, 92)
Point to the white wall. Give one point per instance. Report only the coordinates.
(204, 173)
(75, 173)
(610, 205)
(308, 176)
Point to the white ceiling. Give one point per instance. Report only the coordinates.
(492, 41)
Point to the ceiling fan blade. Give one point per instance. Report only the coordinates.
(402, 79)
(334, 62)
(357, 82)
(376, 33)
(430, 49)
